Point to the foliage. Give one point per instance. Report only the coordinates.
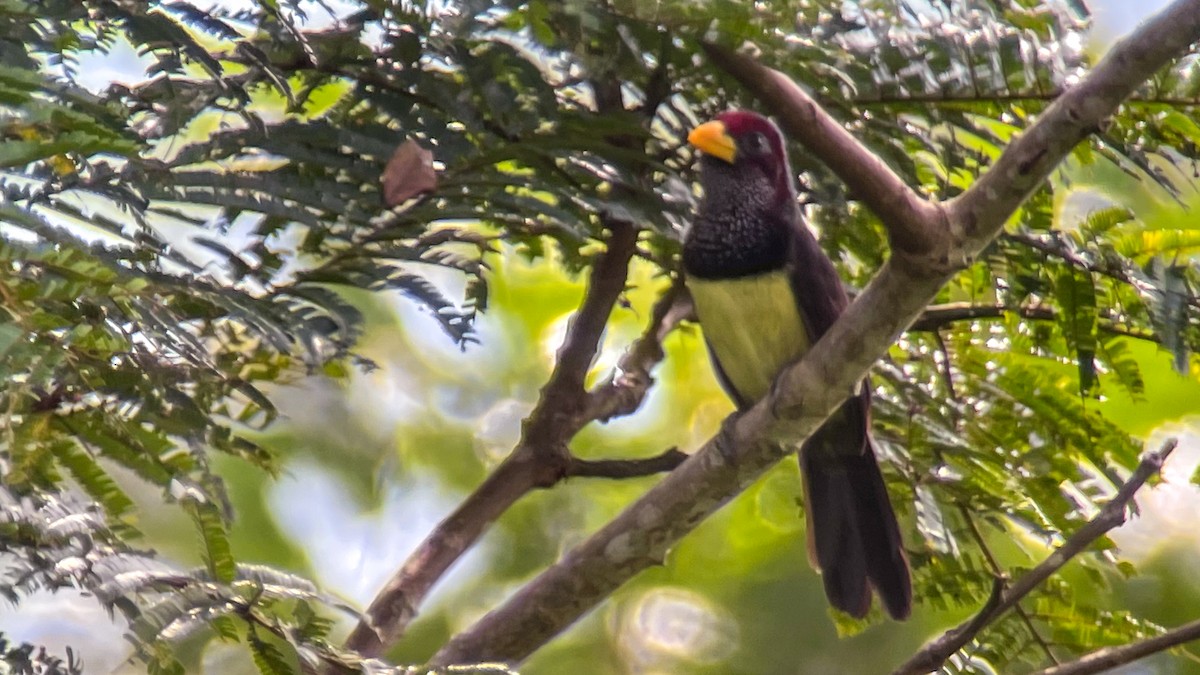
(173, 247)
(56, 543)
(26, 658)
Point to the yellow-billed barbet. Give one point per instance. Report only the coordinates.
(764, 292)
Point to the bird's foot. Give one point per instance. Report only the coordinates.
(779, 410)
(725, 440)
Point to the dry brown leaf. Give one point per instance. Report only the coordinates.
(408, 173)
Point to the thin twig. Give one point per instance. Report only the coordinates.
(938, 316)
(626, 468)
(1055, 246)
(947, 368)
(934, 654)
(1102, 660)
(1058, 248)
(998, 572)
(625, 389)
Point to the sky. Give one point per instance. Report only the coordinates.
(1117, 17)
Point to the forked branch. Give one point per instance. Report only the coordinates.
(541, 458)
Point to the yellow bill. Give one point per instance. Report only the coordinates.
(711, 138)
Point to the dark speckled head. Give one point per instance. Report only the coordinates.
(760, 145)
(749, 205)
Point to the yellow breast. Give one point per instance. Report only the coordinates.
(752, 326)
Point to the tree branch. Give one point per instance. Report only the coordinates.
(933, 655)
(540, 459)
(936, 99)
(1055, 246)
(912, 222)
(582, 341)
(624, 390)
(1102, 660)
(808, 391)
(998, 573)
(625, 468)
(937, 316)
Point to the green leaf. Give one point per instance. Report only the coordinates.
(1115, 353)
(94, 480)
(1100, 222)
(9, 334)
(1075, 293)
(225, 628)
(218, 555)
(267, 657)
(1170, 308)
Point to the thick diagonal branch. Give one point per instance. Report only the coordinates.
(933, 655)
(809, 391)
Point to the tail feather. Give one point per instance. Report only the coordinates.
(853, 536)
(834, 548)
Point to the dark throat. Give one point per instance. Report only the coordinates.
(742, 227)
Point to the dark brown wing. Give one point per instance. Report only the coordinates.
(852, 531)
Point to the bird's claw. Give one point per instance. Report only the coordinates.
(725, 440)
(778, 409)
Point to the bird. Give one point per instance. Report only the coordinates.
(764, 292)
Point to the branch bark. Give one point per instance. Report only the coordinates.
(626, 468)
(624, 390)
(937, 316)
(933, 655)
(999, 575)
(933, 242)
(605, 285)
(541, 458)
(1102, 660)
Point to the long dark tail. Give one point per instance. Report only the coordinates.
(853, 537)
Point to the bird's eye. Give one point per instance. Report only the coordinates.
(757, 143)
